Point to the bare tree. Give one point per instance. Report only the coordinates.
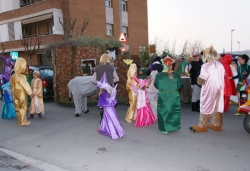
(31, 46)
(195, 47)
(69, 24)
(184, 49)
(84, 25)
(3, 49)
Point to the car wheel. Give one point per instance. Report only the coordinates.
(246, 123)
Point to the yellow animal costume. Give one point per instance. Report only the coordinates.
(131, 113)
(20, 88)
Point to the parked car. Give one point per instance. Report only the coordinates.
(46, 75)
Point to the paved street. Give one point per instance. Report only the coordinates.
(60, 141)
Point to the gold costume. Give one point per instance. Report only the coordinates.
(20, 88)
(131, 113)
(37, 105)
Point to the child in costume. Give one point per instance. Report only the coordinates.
(212, 100)
(145, 115)
(131, 113)
(20, 88)
(169, 84)
(29, 76)
(8, 107)
(36, 105)
(153, 93)
(229, 88)
(110, 126)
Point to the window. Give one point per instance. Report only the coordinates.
(87, 66)
(109, 29)
(125, 31)
(46, 72)
(51, 27)
(26, 31)
(108, 3)
(124, 5)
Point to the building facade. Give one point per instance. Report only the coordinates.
(107, 18)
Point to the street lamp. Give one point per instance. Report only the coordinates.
(232, 40)
(239, 46)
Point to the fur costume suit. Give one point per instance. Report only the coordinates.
(212, 100)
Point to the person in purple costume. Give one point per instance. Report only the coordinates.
(110, 126)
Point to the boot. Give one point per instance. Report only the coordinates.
(197, 108)
(101, 113)
(31, 116)
(196, 128)
(39, 115)
(194, 106)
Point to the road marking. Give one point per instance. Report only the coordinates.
(33, 162)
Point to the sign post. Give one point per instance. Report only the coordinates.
(14, 55)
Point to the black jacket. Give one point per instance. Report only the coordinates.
(195, 71)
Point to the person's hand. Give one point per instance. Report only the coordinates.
(101, 91)
(31, 96)
(229, 78)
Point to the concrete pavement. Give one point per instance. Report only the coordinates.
(61, 141)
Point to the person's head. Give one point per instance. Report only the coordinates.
(210, 55)
(104, 59)
(196, 57)
(36, 74)
(20, 66)
(242, 59)
(158, 59)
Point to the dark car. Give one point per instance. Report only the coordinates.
(46, 75)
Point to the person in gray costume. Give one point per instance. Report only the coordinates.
(81, 87)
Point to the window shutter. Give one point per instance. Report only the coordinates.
(11, 31)
(18, 30)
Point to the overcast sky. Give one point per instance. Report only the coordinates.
(210, 21)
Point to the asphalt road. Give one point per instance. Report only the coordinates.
(59, 141)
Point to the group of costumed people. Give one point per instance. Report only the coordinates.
(156, 97)
(23, 91)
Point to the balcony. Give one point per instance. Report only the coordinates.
(24, 3)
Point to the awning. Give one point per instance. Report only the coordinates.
(37, 18)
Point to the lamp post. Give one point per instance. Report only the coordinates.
(232, 40)
(239, 46)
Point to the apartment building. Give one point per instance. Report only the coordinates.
(107, 18)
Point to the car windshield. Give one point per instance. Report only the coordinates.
(46, 72)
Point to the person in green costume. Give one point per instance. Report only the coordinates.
(243, 73)
(169, 106)
(29, 77)
(180, 65)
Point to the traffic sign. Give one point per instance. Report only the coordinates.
(14, 55)
(122, 37)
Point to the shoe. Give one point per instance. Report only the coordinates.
(238, 114)
(128, 120)
(164, 132)
(31, 116)
(77, 115)
(39, 116)
(86, 111)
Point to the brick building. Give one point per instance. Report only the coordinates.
(107, 18)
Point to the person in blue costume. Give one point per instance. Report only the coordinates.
(8, 107)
